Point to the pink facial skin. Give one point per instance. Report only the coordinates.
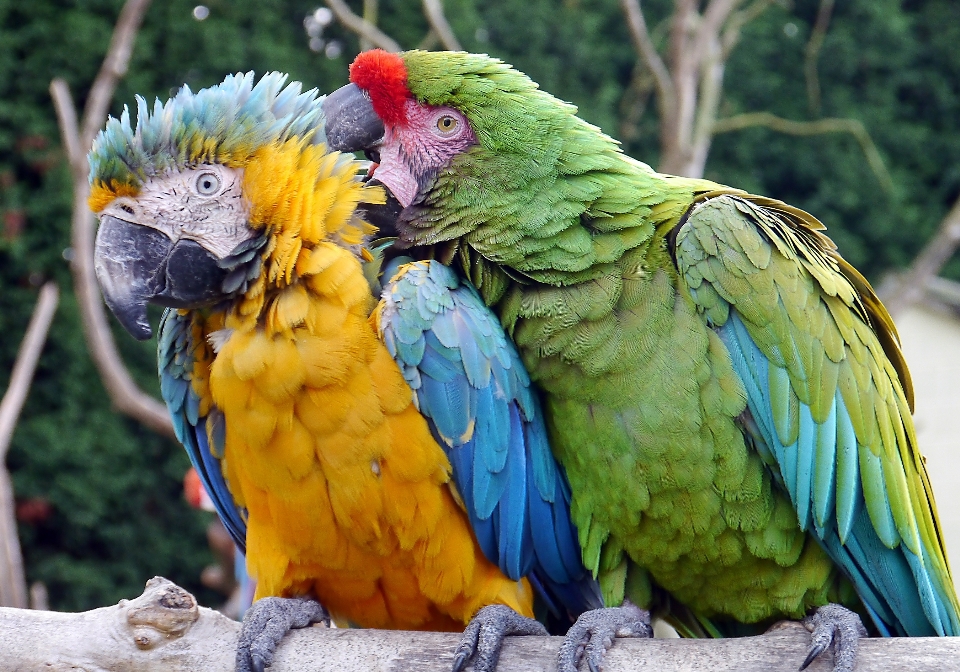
(428, 141)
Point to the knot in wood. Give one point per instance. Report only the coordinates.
(164, 611)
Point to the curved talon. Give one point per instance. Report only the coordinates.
(266, 623)
(483, 636)
(594, 632)
(836, 625)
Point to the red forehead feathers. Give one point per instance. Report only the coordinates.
(384, 76)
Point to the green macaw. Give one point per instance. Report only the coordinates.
(726, 393)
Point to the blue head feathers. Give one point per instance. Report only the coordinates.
(223, 124)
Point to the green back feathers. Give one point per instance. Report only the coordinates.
(223, 124)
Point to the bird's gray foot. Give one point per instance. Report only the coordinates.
(833, 624)
(594, 632)
(483, 636)
(265, 624)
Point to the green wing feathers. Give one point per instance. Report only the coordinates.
(829, 398)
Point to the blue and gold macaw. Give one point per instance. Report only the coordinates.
(401, 483)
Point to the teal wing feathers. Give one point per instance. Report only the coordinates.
(470, 385)
(828, 400)
(201, 435)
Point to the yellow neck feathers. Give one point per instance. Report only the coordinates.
(306, 199)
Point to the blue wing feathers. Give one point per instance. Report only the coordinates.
(848, 490)
(476, 395)
(824, 474)
(175, 364)
(825, 471)
(806, 444)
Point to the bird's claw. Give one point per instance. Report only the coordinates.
(833, 624)
(594, 632)
(266, 623)
(483, 637)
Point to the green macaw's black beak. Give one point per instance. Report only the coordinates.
(351, 124)
(137, 265)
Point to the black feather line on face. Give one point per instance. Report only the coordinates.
(244, 264)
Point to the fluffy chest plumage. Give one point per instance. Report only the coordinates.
(346, 492)
(643, 404)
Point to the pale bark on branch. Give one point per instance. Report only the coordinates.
(812, 54)
(164, 629)
(371, 8)
(78, 137)
(643, 43)
(364, 29)
(927, 264)
(689, 81)
(13, 585)
(433, 10)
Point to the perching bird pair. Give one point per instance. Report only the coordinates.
(724, 393)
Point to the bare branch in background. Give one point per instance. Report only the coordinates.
(634, 102)
(852, 126)
(13, 585)
(812, 54)
(114, 67)
(740, 18)
(364, 29)
(677, 128)
(429, 41)
(433, 10)
(698, 62)
(927, 264)
(643, 43)
(124, 393)
(371, 10)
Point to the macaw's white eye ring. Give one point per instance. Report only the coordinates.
(208, 184)
(447, 124)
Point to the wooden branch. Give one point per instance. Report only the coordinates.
(13, 585)
(113, 68)
(830, 125)
(643, 43)
(676, 129)
(717, 35)
(26, 363)
(927, 264)
(124, 393)
(433, 10)
(812, 54)
(371, 10)
(363, 29)
(714, 18)
(736, 22)
(165, 630)
(712, 68)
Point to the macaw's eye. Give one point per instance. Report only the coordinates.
(447, 124)
(208, 184)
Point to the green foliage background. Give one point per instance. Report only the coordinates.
(118, 515)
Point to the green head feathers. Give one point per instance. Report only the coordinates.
(507, 110)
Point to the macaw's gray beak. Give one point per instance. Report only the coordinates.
(137, 265)
(351, 124)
